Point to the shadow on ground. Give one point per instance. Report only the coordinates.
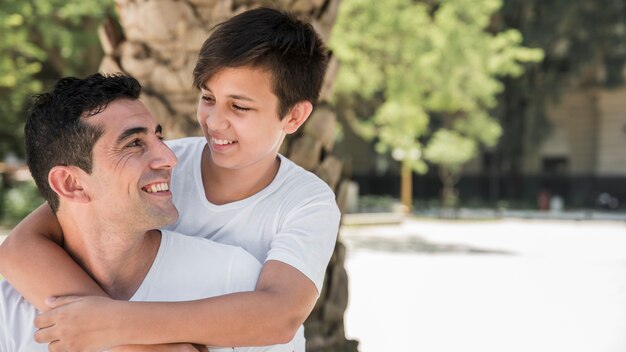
(415, 244)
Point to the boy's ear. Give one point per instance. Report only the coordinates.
(297, 116)
(65, 182)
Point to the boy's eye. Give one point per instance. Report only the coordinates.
(207, 98)
(240, 108)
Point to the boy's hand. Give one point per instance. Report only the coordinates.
(75, 323)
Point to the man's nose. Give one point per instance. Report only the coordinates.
(163, 157)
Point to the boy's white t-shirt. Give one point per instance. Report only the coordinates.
(295, 219)
(219, 269)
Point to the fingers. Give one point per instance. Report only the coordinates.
(55, 346)
(44, 320)
(45, 335)
(58, 301)
(201, 348)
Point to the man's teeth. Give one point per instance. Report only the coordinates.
(158, 187)
(222, 141)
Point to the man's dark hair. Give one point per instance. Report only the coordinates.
(289, 49)
(56, 133)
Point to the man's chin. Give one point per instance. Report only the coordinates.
(163, 219)
(170, 218)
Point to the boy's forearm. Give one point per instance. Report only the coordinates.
(239, 319)
(272, 314)
(37, 266)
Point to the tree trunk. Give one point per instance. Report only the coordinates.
(449, 195)
(159, 46)
(406, 187)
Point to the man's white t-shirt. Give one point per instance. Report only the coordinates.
(218, 269)
(295, 219)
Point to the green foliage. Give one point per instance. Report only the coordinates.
(437, 68)
(42, 40)
(450, 148)
(19, 201)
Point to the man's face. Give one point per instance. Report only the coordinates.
(129, 184)
(238, 114)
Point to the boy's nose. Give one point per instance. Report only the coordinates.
(216, 121)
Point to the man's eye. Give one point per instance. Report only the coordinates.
(135, 143)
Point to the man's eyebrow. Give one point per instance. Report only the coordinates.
(131, 131)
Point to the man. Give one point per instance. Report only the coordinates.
(98, 158)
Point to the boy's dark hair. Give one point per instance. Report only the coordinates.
(55, 133)
(289, 49)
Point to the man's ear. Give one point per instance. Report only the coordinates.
(65, 182)
(297, 116)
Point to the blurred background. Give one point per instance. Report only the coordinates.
(477, 149)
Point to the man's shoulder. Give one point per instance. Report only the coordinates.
(9, 296)
(205, 248)
(17, 316)
(224, 268)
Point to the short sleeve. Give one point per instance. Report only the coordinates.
(307, 237)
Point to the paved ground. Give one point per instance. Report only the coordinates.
(488, 286)
(507, 285)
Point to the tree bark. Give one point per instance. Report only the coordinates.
(159, 44)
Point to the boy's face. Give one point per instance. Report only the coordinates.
(131, 168)
(238, 115)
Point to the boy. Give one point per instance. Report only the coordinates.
(259, 74)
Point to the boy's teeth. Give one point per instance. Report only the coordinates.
(158, 188)
(222, 141)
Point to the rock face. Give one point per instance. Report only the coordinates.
(157, 42)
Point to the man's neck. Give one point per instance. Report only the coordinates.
(118, 261)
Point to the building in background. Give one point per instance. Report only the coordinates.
(582, 160)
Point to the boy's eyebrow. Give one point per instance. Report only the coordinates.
(240, 97)
(233, 96)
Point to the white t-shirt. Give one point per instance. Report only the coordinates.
(220, 269)
(295, 219)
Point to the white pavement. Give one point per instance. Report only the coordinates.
(488, 286)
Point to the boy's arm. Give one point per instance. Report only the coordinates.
(271, 314)
(33, 261)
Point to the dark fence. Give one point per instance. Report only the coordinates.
(523, 191)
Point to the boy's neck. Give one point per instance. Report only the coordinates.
(223, 186)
